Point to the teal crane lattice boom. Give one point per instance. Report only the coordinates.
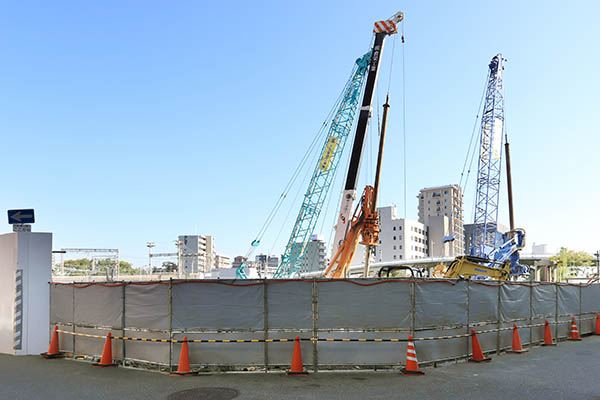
(318, 189)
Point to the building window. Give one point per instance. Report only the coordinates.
(399, 228)
(394, 237)
(394, 228)
(394, 247)
(394, 256)
(400, 249)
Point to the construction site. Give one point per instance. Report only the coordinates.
(389, 295)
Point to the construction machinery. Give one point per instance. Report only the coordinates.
(365, 220)
(487, 259)
(324, 172)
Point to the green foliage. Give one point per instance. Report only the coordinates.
(104, 266)
(567, 259)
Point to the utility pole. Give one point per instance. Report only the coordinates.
(597, 254)
(150, 245)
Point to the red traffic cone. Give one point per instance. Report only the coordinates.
(574, 332)
(548, 336)
(597, 331)
(106, 360)
(183, 369)
(478, 356)
(412, 365)
(297, 368)
(516, 342)
(53, 350)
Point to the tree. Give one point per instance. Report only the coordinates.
(103, 266)
(567, 259)
(169, 266)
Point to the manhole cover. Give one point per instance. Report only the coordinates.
(208, 393)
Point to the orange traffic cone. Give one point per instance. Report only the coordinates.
(516, 342)
(574, 332)
(53, 350)
(597, 332)
(548, 336)
(297, 368)
(412, 365)
(183, 369)
(106, 360)
(478, 356)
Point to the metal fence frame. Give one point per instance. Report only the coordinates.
(315, 352)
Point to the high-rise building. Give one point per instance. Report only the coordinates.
(237, 261)
(315, 258)
(222, 261)
(444, 201)
(197, 254)
(399, 239)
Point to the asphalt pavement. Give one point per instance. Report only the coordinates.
(568, 371)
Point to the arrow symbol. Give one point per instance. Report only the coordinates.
(18, 216)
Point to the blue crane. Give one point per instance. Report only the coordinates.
(485, 238)
(320, 183)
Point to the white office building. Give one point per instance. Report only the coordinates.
(197, 254)
(315, 255)
(399, 239)
(443, 201)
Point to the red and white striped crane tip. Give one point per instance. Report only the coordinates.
(386, 26)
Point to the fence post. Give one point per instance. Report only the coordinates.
(73, 325)
(468, 315)
(556, 312)
(579, 324)
(266, 324)
(123, 342)
(412, 307)
(170, 299)
(315, 314)
(499, 317)
(531, 314)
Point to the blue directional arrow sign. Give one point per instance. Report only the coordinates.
(21, 216)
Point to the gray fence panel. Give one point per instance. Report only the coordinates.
(146, 351)
(544, 301)
(289, 305)
(487, 341)
(436, 350)
(538, 331)
(212, 305)
(99, 306)
(590, 299)
(483, 302)
(280, 353)
(94, 346)
(568, 300)
(61, 303)
(440, 304)
(366, 353)
(222, 353)
(65, 341)
(506, 336)
(347, 305)
(514, 301)
(147, 306)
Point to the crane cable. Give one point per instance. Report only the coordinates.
(311, 148)
(472, 145)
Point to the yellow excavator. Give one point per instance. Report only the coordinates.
(469, 266)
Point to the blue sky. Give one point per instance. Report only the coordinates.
(131, 121)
